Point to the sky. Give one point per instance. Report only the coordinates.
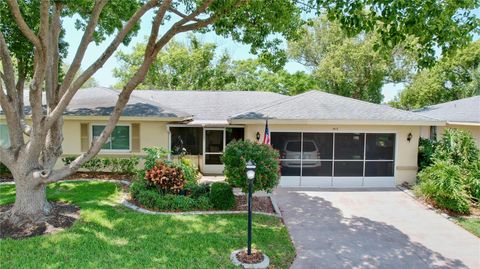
(104, 76)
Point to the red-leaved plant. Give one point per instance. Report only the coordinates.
(165, 178)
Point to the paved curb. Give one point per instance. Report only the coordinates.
(262, 265)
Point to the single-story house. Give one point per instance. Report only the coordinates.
(324, 140)
(461, 114)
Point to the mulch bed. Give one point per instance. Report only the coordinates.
(81, 175)
(259, 204)
(256, 257)
(62, 216)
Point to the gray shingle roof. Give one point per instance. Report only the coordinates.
(317, 105)
(101, 101)
(211, 105)
(463, 110)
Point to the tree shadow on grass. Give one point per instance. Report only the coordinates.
(109, 236)
(324, 238)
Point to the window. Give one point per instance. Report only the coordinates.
(4, 136)
(234, 134)
(335, 154)
(433, 132)
(119, 138)
(189, 138)
(380, 155)
(349, 146)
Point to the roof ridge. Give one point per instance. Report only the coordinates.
(274, 103)
(385, 106)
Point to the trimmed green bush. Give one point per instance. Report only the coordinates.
(221, 196)
(197, 191)
(443, 183)
(115, 165)
(237, 153)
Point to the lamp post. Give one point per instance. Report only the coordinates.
(250, 177)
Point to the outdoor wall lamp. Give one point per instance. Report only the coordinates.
(257, 136)
(409, 137)
(250, 167)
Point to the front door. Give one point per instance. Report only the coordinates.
(213, 145)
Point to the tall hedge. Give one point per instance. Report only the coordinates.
(238, 153)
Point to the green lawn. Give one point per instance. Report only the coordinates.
(470, 224)
(109, 235)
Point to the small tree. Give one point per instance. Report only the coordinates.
(238, 153)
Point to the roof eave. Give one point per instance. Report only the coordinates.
(339, 122)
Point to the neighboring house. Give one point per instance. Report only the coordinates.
(324, 139)
(462, 114)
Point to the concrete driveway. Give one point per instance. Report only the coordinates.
(372, 229)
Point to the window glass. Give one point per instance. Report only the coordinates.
(317, 168)
(349, 146)
(379, 169)
(213, 140)
(380, 146)
(119, 138)
(4, 136)
(188, 138)
(348, 169)
(234, 134)
(317, 145)
(96, 131)
(288, 144)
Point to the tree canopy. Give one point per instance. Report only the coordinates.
(454, 77)
(349, 66)
(195, 65)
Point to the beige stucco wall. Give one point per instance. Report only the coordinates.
(474, 130)
(406, 152)
(155, 133)
(152, 133)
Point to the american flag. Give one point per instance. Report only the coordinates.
(266, 135)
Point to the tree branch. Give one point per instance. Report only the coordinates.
(22, 25)
(82, 47)
(178, 13)
(51, 83)
(9, 102)
(124, 95)
(73, 88)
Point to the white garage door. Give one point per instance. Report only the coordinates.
(336, 159)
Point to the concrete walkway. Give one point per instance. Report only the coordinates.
(372, 229)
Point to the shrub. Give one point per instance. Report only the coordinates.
(457, 147)
(237, 153)
(426, 149)
(190, 171)
(165, 178)
(221, 196)
(93, 165)
(128, 165)
(472, 180)
(197, 191)
(68, 160)
(150, 198)
(154, 154)
(4, 169)
(443, 183)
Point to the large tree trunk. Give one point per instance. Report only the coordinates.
(30, 201)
